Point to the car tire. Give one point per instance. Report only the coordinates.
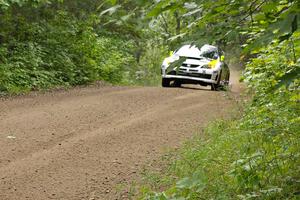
(165, 82)
(215, 86)
(227, 79)
(177, 84)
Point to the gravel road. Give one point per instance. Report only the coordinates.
(86, 142)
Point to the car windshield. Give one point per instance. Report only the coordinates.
(209, 51)
(210, 55)
(192, 51)
(188, 51)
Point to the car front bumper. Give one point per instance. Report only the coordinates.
(206, 78)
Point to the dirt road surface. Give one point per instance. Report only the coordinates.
(84, 143)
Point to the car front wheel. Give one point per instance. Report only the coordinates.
(215, 86)
(177, 84)
(165, 82)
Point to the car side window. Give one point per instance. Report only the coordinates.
(211, 55)
(215, 56)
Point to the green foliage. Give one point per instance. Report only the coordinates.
(54, 43)
(148, 71)
(49, 48)
(63, 59)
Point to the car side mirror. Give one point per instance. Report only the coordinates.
(222, 58)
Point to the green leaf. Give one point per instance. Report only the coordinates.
(176, 64)
(113, 2)
(288, 78)
(111, 10)
(164, 5)
(197, 181)
(295, 24)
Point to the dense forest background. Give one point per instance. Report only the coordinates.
(45, 44)
(50, 43)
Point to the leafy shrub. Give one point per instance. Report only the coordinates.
(60, 52)
(148, 71)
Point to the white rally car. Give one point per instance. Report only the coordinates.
(191, 65)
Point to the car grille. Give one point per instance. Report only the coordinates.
(172, 72)
(188, 65)
(206, 76)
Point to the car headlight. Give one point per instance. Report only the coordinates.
(212, 64)
(205, 67)
(170, 59)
